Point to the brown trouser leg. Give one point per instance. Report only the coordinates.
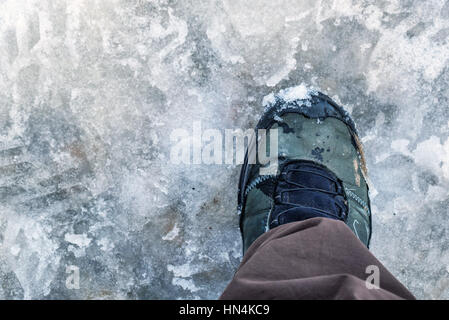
(312, 259)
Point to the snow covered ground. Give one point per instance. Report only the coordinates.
(90, 92)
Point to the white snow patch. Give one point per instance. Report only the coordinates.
(269, 100)
(433, 155)
(172, 234)
(81, 240)
(300, 92)
(294, 93)
(305, 45)
(30, 248)
(277, 118)
(185, 284)
(413, 59)
(368, 137)
(183, 271)
(180, 273)
(381, 157)
(15, 250)
(401, 145)
(308, 66)
(105, 244)
(365, 46)
(78, 252)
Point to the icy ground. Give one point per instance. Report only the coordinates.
(90, 91)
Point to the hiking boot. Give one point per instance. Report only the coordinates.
(320, 169)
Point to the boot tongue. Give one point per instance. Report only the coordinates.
(307, 190)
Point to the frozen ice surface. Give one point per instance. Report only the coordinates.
(91, 90)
